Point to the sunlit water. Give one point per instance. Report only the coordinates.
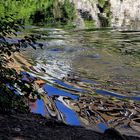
(83, 68)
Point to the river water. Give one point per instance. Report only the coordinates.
(90, 78)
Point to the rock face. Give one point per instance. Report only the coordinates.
(87, 6)
(123, 13)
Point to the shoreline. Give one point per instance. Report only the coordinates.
(33, 127)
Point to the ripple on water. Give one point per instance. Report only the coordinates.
(90, 54)
(112, 94)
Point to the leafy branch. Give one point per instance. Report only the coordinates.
(10, 79)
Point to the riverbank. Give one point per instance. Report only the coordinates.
(34, 127)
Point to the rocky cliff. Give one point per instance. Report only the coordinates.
(115, 13)
(125, 13)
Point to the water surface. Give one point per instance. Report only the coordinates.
(91, 77)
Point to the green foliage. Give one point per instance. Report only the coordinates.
(102, 3)
(56, 13)
(10, 102)
(105, 12)
(31, 10)
(69, 10)
(10, 80)
(89, 24)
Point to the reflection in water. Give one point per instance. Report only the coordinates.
(102, 127)
(103, 92)
(50, 90)
(90, 78)
(38, 107)
(69, 87)
(70, 116)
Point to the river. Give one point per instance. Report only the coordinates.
(90, 77)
